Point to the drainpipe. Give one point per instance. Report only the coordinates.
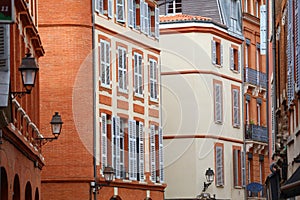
(94, 98)
(267, 71)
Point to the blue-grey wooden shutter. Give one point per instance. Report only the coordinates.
(4, 65)
(141, 152)
(213, 52)
(297, 42)
(219, 166)
(118, 148)
(236, 109)
(110, 8)
(161, 155)
(218, 103)
(231, 58)
(290, 54)
(134, 136)
(221, 52)
(152, 154)
(243, 164)
(131, 149)
(156, 22)
(113, 143)
(130, 13)
(142, 25)
(103, 140)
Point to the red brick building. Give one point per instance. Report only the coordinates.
(102, 73)
(255, 100)
(21, 159)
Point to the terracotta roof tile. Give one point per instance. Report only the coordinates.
(182, 18)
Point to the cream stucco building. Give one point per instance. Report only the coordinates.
(201, 104)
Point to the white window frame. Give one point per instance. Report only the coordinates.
(104, 60)
(247, 113)
(120, 10)
(153, 80)
(138, 74)
(122, 69)
(246, 6)
(236, 107)
(174, 7)
(99, 7)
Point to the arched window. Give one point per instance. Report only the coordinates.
(16, 194)
(28, 191)
(3, 185)
(37, 196)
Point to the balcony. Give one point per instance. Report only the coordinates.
(255, 77)
(256, 133)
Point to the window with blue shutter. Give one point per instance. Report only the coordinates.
(110, 8)
(218, 102)
(103, 140)
(213, 52)
(4, 65)
(130, 13)
(122, 69)
(297, 42)
(290, 54)
(156, 22)
(142, 12)
(131, 149)
(236, 107)
(161, 155)
(138, 76)
(152, 154)
(141, 171)
(219, 164)
(120, 11)
(104, 60)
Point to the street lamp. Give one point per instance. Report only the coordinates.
(209, 175)
(28, 69)
(108, 173)
(56, 125)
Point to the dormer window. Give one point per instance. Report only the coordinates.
(174, 7)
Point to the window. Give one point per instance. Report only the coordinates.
(156, 154)
(136, 150)
(219, 160)
(237, 166)
(247, 112)
(104, 7)
(104, 133)
(247, 54)
(245, 5)
(99, 6)
(138, 74)
(217, 52)
(104, 63)
(120, 11)
(235, 106)
(174, 7)
(258, 114)
(153, 79)
(123, 124)
(132, 13)
(235, 59)
(4, 46)
(257, 8)
(122, 69)
(234, 15)
(218, 101)
(145, 17)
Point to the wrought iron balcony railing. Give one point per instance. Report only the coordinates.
(256, 133)
(255, 77)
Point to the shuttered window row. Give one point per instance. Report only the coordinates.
(147, 13)
(136, 148)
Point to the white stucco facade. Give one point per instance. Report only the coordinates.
(188, 106)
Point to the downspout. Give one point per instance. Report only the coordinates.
(94, 98)
(274, 68)
(243, 101)
(268, 71)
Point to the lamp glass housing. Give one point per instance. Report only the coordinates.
(108, 174)
(209, 175)
(56, 124)
(28, 71)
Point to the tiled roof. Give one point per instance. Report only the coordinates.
(182, 18)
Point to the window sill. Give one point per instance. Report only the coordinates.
(218, 66)
(235, 71)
